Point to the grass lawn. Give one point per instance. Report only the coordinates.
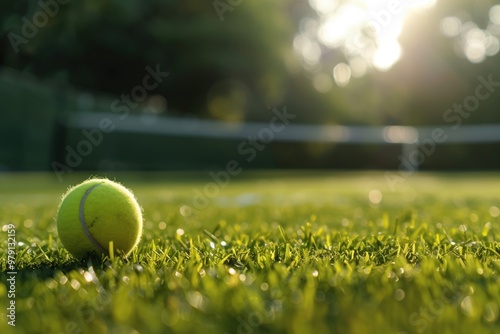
(270, 253)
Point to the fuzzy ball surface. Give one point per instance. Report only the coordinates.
(95, 213)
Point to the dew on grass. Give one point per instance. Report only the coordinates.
(202, 272)
(88, 276)
(83, 293)
(185, 210)
(375, 196)
(36, 242)
(490, 313)
(197, 300)
(392, 276)
(277, 305)
(212, 272)
(247, 278)
(28, 223)
(399, 294)
(353, 262)
(75, 284)
(494, 211)
(467, 306)
(51, 283)
(63, 280)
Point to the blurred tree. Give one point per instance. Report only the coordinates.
(415, 77)
(106, 45)
(232, 59)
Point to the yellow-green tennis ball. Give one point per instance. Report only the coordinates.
(95, 213)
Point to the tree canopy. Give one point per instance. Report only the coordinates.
(233, 59)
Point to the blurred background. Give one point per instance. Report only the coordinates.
(105, 85)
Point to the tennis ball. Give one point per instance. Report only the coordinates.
(96, 213)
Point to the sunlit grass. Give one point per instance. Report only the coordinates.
(271, 253)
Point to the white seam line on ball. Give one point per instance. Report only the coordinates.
(84, 223)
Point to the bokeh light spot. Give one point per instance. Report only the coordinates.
(375, 196)
(451, 26)
(495, 14)
(342, 74)
(323, 83)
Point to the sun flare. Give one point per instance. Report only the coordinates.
(367, 32)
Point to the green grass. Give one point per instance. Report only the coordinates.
(272, 253)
